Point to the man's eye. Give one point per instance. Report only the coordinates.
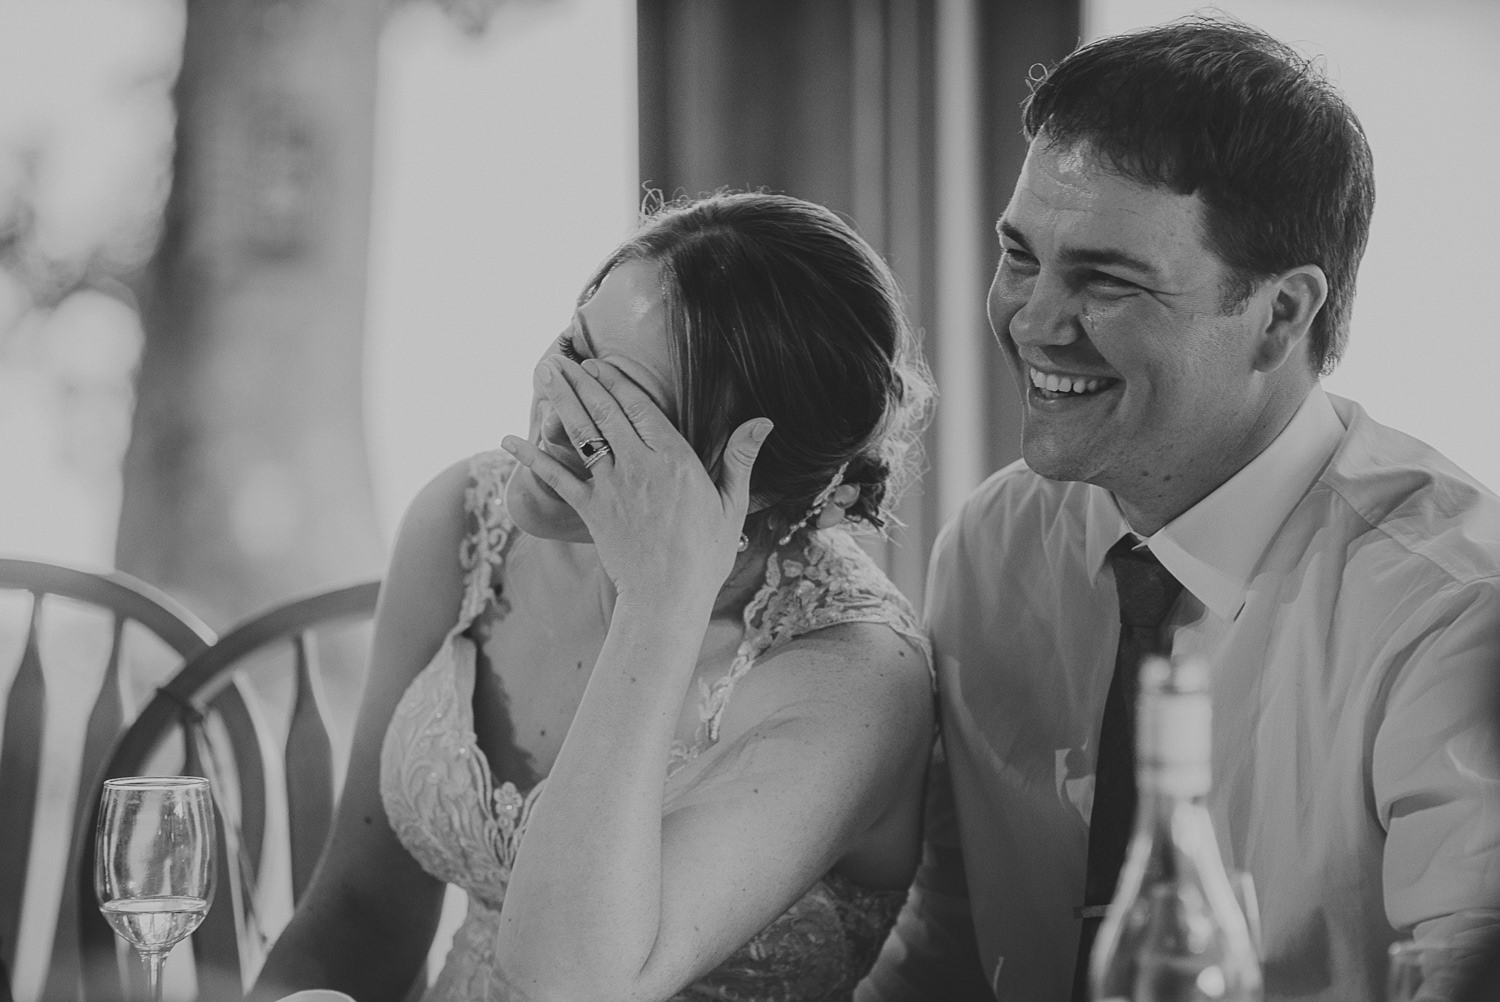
(1017, 257)
(566, 349)
(1105, 280)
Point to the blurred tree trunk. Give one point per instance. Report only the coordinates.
(246, 480)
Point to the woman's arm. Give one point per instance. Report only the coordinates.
(618, 895)
(932, 952)
(613, 894)
(366, 921)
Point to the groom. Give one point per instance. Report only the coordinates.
(1176, 272)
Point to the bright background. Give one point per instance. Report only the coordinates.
(507, 168)
(505, 171)
(1424, 79)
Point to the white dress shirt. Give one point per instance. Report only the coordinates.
(1344, 589)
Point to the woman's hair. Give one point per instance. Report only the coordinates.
(1213, 107)
(777, 308)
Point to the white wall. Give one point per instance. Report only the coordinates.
(1423, 78)
(506, 170)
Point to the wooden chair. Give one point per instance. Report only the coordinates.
(229, 749)
(69, 623)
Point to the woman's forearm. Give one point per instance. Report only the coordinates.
(582, 910)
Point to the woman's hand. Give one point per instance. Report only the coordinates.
(663, 527)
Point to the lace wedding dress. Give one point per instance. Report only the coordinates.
(463, 828)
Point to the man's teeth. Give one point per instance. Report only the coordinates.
(1065, 384)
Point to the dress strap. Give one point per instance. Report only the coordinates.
(483, 548)
(832, 581)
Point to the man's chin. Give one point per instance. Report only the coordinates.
(1061, 475)
(1047, 460)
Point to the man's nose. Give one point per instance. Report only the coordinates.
(1049, 315)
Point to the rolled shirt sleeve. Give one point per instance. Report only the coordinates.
(1435, 770)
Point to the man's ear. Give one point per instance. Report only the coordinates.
(1295, 297)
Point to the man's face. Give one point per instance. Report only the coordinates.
(1109, 307)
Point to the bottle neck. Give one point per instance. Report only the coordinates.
(1177, 832)
(1174, 743)
(1163, 809)
(1173, 777)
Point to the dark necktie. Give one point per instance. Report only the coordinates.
(1147, 590)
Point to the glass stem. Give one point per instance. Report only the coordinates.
(154, 960)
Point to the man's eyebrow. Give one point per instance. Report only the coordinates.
(1109, 255)
(1088, 255)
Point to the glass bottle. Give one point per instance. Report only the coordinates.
(1174, 932)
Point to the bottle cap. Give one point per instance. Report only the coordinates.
(1180, 675)
(1174, 727)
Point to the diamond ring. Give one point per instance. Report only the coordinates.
(592, 450)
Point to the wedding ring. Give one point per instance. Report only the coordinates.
(589, 448)
(595, 453)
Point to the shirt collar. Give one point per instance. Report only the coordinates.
(1213, 547)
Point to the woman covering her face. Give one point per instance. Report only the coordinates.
(634, 686)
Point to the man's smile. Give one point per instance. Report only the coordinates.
(1062, 385)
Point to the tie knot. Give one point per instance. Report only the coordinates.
(1147, 589)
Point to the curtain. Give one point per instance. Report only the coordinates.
(903, 115)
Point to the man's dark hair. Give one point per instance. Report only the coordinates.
(1216, 108)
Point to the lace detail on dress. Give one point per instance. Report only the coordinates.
(483, 549)
(431, 767)
(818, 950)
(444, 806)
(430, 771)
(835, 582)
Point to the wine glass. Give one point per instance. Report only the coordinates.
(154, 863)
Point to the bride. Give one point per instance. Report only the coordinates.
(634, 686)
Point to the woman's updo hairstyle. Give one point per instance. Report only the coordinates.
(778, 308)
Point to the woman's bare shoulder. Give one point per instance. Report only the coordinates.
(836, 725)
(423, 588)
(859, 675)
(437, 509)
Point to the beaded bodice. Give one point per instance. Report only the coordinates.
(464, 828)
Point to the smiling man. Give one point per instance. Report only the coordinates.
(1176, 272)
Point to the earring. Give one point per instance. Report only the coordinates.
(744, 544)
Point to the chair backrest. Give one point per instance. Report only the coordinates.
(75, 630)
(216, 705)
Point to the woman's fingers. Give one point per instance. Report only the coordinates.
(739, 459)
(594, 406)
(590, 438)
(634, 403)
(548, 470)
